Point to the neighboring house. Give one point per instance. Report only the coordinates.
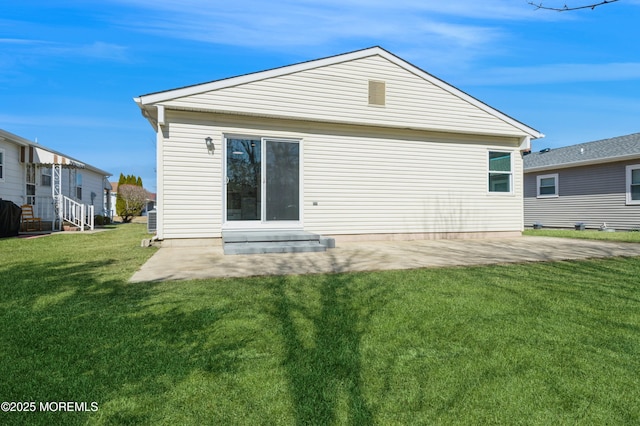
(594, 183)
(113, 195)
(58, 187)
(362, 145)
(150, 205)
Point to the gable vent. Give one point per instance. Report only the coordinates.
(377, 92)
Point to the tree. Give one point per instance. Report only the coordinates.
(566, 8)
(119, 201)
(133, 198)
(127, 201)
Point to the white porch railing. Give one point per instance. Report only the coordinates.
(77, 213)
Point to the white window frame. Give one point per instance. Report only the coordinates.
(30, 180)
(45, 171)
(2, 164)
(78, 185)
(510, 173)
(556, 185)
(630, 169)
(262, 223)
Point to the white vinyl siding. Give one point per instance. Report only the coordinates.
(378, 185)
(339, 93)
(191, 189)
(356, 180)
(12, 187)
(547, 186)
(633, 184)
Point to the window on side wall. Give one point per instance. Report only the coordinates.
(547, 185)
(1, 165)
(45, 176)
(79, 186)
(500, 172)
(31, 183)
(633, 184)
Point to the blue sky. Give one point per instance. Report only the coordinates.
(69, 70)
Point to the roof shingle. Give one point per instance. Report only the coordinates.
(606, 150)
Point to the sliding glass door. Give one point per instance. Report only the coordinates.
(244, 177)
(283, 180)
(262, 169)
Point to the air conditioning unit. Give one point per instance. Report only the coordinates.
(152, 221)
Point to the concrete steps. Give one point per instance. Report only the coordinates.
(257, 242)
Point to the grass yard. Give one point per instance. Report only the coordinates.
(622, 236)
(545, 343)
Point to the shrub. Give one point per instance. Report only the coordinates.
(100, 220)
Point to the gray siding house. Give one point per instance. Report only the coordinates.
(595, 183)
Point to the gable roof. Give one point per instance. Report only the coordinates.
(45, 155)
(149, 102)
(602, 151)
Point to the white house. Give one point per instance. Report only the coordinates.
(362, 145)
(60, 188)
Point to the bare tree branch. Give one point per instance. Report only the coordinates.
(134, 198)
(567, 8)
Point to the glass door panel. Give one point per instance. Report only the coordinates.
(282, 180)
(244, 179)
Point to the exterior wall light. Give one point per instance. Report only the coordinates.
(210, 146)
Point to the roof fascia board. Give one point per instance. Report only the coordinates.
(253, 77)
(459, 93)
(10, 137)
(583, 163)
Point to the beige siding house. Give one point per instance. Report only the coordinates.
(362, 145)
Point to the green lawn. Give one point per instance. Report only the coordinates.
(546, 343)
(622, 236)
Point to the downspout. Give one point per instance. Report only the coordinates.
(159, 175)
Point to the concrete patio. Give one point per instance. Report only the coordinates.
(183, 262)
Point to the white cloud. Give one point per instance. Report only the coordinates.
(554, 73)
(62, 121)
(96, 50)
(487, 9)
(99, 50)
(299, 23)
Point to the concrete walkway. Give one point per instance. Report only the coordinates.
(182, 263)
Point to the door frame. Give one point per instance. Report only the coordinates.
(262, 223)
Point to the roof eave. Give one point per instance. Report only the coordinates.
(18, 140)
(518, 136)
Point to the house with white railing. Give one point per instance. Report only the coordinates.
(61, 189)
